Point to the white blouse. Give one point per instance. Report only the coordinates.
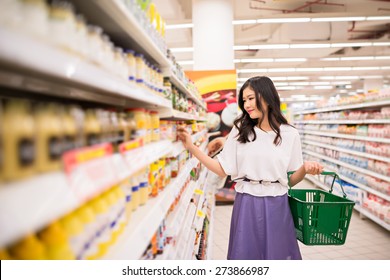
(262, 160)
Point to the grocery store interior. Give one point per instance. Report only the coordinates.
(92, 94)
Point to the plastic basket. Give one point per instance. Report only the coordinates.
(320, 217)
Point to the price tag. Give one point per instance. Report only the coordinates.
(199, 191)
(200, 214)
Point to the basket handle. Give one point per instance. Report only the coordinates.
(334, 174)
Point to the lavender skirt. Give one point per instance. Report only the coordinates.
(262, 228)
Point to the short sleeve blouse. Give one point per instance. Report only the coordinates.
(262, 160)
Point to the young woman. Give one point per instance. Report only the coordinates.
(261, 148)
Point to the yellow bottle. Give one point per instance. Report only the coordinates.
(49, 137)
(87, 218)
(56, 241)
(135, 194)
(138, 114)
(92, 128)
(155, 119)
(73, 228)
(149, 127)
(144, 186)
(121, 200)
(18, 140)
(125, 185)
(29, 248)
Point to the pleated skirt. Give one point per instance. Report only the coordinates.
(262, 228)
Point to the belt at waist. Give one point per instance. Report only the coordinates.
(264, 182)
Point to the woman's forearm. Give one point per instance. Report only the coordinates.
(210, 163)
(297, 176)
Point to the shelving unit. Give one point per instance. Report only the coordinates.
(28, 205)
(333, 161)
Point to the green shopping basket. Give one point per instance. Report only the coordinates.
(320, 217)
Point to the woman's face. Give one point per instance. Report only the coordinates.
(249, 98)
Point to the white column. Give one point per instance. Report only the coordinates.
(213, 34)
(373, 84)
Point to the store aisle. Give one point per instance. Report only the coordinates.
(365, 241)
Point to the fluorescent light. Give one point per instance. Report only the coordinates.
(323, 87)
(236, 60)
(298, 95)
(378, 18)
(181, 50)
(319, 83)
(290, 59)
(270, 46)
(282, 20)
(239, 48)
(330, 59)
(271, 70)
(251, 70)
(365, 68)
(345, 45)
(337, 68)
(338, 77)
(381, 44)
(244, 21)
(309, 46)
(179, 26)
(382, 57)
(315, 69)
(280, 84)
(330, 19)
(286, 88)
(357, 58)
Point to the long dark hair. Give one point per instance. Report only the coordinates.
(264, 89)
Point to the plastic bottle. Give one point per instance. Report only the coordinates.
(138, 114)
(4, 255)
(73, 228)
(87, 217)
(69, 130)
(18, 140)
(155, 126)
(125, 185)
(136, 195)
(29, 248)
(49, 137)
(56, 242)
(149, 127)
(144, 186)
(92, 128)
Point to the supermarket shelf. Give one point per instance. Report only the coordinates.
(145, 220)
(30, 204)
(348, 136)
(352, 152)
(357, 208)
(373, 218)
(352, 167)
(180, 85)
(171, 114)
(346, 107)
(122, 27)
(65, 75)
(376, 121)
(178, 147)
(143, 156)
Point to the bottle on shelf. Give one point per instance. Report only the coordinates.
(29, 248)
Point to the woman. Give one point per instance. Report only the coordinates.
(261, 148)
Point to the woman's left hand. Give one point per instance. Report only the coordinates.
(313, 167)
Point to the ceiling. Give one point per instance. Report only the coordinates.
(302, 81)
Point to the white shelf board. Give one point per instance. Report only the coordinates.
(178, 145)
(146, 219)
(172, 114)
(346, 107)
(358, 169)
(348, 136)
(375, 121)
(68, 70)
(30, 204)
(352, 152)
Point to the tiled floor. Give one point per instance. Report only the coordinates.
(366, 240)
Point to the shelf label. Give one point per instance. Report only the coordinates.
(200, 214)
(130, 145)
(199, 191)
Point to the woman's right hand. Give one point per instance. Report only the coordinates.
(184, 137)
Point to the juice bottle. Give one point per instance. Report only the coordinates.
(144, 186)
(69, 130)
(87, 217)
(155, 119)
(136, 195)
(78, 115)
(29, 248)
(125, 185)
(56, 242)
(149, 128)
(49, 137)
(138, 114)
(124, 130)
(18, 140)
(92, 128)
(121, 200)
(73, 228)
(154, 178)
